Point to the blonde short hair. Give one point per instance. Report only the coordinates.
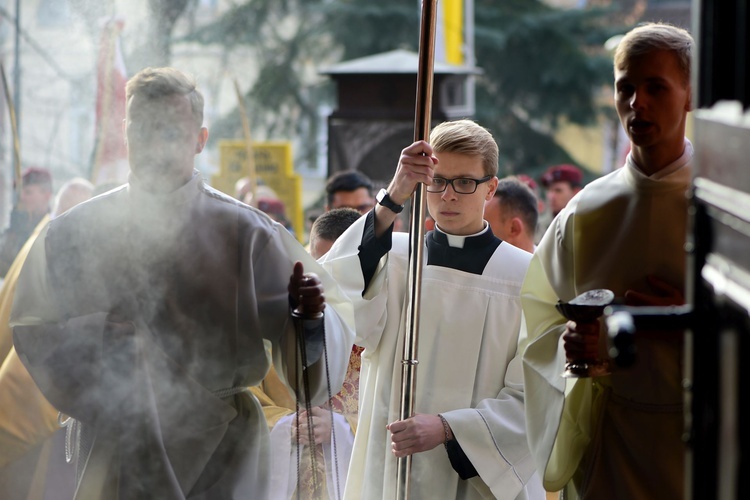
(650, 37)
(466, 137)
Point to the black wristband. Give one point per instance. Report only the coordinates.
(383, 198)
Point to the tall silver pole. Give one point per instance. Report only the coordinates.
(423, 116)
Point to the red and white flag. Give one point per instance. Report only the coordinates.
(110, 163)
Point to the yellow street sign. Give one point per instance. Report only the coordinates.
(274, 168)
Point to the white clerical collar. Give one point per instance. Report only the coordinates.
(680, 162)
(457, 241)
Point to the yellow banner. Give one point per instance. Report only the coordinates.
(453, 27)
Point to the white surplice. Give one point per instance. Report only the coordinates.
(468, 372)
(620, 433)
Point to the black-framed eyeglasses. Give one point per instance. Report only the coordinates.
(461, 185)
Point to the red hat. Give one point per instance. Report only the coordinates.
(272, 206)
(562, 173)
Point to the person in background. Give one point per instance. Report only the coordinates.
(328, 227)
(27, 419)
(349, 189)
(243, 191)
(467, 437)
(33, 204)
(543, 219)
(72, 193)
(562, 182)
(279, 408)
(276, 210)
(619, 435)
(144, 314)
(352, 189)
(512, 213)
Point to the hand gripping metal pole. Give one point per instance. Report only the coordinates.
(422, 120)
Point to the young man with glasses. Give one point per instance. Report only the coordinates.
(469, 394)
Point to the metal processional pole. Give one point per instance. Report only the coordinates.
(422, 120)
